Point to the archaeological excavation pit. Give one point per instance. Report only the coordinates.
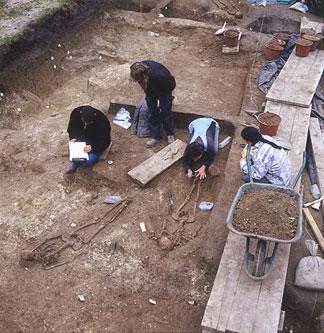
(122, 268)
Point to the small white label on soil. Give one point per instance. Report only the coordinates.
(19, 109)
(316, 205)
(59, 45)
(47, 106)
(152, 301)
(54, 67)
(68, 52)
(73, 225)
(81, 298)
(70, 57)
(142, 226)
(52, 58)
(191, 302)
(110, 162)
(1, 94)
(100, 57)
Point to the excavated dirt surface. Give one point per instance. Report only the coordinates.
(267, 213)
(122, 267)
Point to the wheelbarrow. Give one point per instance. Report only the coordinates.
(260, 251)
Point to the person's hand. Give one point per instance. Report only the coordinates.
(201, 172)
(189, 174)
(73, 140)
(87, 149)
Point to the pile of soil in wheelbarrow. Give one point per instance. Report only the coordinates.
(267, 213)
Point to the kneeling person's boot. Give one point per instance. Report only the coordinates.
(170, 139)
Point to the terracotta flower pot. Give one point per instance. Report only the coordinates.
(231, 37)
(272, 50)
(303, 47)
(269, 123)
(282, 36)
(314, 39)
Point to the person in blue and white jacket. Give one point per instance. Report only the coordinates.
(269, 161)
(201, 148)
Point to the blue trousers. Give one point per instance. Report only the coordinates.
(93, 159)
(160, 116)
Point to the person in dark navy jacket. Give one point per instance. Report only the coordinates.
(158, 84)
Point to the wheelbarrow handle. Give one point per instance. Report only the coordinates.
(248, 162)
(300, 171)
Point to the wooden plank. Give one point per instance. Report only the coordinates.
(314, 227)
(244, 295)
(297, 81)
(234, 255)
(271, 293)
(158, 163)
(225, 282)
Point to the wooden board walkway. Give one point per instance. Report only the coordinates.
(158, 163)
(297, 81)
(238, 303)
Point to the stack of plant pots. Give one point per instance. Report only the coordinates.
(308, 42)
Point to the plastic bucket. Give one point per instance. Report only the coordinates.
(269, 123)
(231, 37)
(303, 47)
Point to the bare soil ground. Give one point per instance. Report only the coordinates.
(121, 268)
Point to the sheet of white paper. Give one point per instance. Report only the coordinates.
(77, 151)
(123, 123)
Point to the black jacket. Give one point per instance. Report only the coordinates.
(96, 134)
(161, 81)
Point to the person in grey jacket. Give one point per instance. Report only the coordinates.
(201, 148)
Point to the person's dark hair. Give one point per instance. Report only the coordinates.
(195, 149)
(140, 73)
(252, 135)
(88, 113)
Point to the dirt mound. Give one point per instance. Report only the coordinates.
(267, 213)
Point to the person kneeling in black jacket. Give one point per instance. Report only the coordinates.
(92, 127)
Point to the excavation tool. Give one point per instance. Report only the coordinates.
(49, 251)
(221, 30)
(260, 251)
